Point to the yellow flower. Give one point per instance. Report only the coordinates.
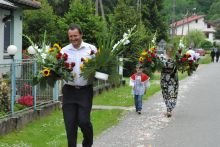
(99, 50)
(86, 60)
(81, 66)
(51, 49)
(141, 59)
(187, 54)
(46, 72)
(57, 46)
(152, 49)
(144, 53)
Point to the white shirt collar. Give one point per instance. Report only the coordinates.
(82, 45)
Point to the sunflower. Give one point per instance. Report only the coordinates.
(46, 72)
(141, 59)
(144, 53)
(57, 46)
(152, 49)
(51, 49)
(81, 66)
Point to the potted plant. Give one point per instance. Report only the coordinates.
(105, 62)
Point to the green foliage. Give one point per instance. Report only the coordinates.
(206, 45)
(50, 131)
(195, 38)
(153, 19)
(4, 95)
(36, 22)
(81, 12)
(214, 11)
(217, 33)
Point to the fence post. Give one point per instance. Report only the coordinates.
(13, 84)
(55, 92)
(35, 86)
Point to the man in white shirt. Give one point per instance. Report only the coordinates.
(77, 94)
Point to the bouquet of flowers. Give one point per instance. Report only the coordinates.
(51, 64)
(106, 59)
(149, 58)
(186, 62)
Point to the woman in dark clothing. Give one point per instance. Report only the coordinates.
(169, 81)
(212, 55)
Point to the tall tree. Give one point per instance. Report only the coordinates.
(38, 21)
(60, 7)
(125, 16)
(81, 12)
(153, 19)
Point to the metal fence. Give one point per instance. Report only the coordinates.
(16, 90)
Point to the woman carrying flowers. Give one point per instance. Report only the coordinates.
(169, 81)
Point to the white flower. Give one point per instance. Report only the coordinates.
(181, 45)
(47, 47)
(125, 35)
(126, 42)
(39, 50)
(44, 56)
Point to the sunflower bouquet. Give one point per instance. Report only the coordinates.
(149, 58)
(52, 65)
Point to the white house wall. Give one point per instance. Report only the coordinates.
(200, 25)
(17, 33)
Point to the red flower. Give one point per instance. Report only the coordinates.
(58, 56)
(67, 65)
(26, 100)
(184, 59)
(92, 52)
(73, 64)
(153, 55)
(190, 62)
(149, 59)
(82, 59)
(65, 56)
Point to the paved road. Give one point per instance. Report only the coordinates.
(195, 123)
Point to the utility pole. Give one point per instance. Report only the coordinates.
(139, 3)
(97, 3)
(173, 20)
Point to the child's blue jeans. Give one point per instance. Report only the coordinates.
(138, 102)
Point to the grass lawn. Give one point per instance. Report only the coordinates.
(122, 96)
(50, 132)
(205, 60)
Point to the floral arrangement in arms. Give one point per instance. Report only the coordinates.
(149, 58)
(186, 61)
(52, 65)
(106, 59)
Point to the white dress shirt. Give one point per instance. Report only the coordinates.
(75, 55)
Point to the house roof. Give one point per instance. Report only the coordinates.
(7, 5)
(187, 20)
(25, 4)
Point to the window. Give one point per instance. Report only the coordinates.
(196, 20)
(7, 35)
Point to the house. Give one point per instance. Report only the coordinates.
(11, 25)
(182, 27)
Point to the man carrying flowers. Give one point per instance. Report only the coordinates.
(77, 94)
